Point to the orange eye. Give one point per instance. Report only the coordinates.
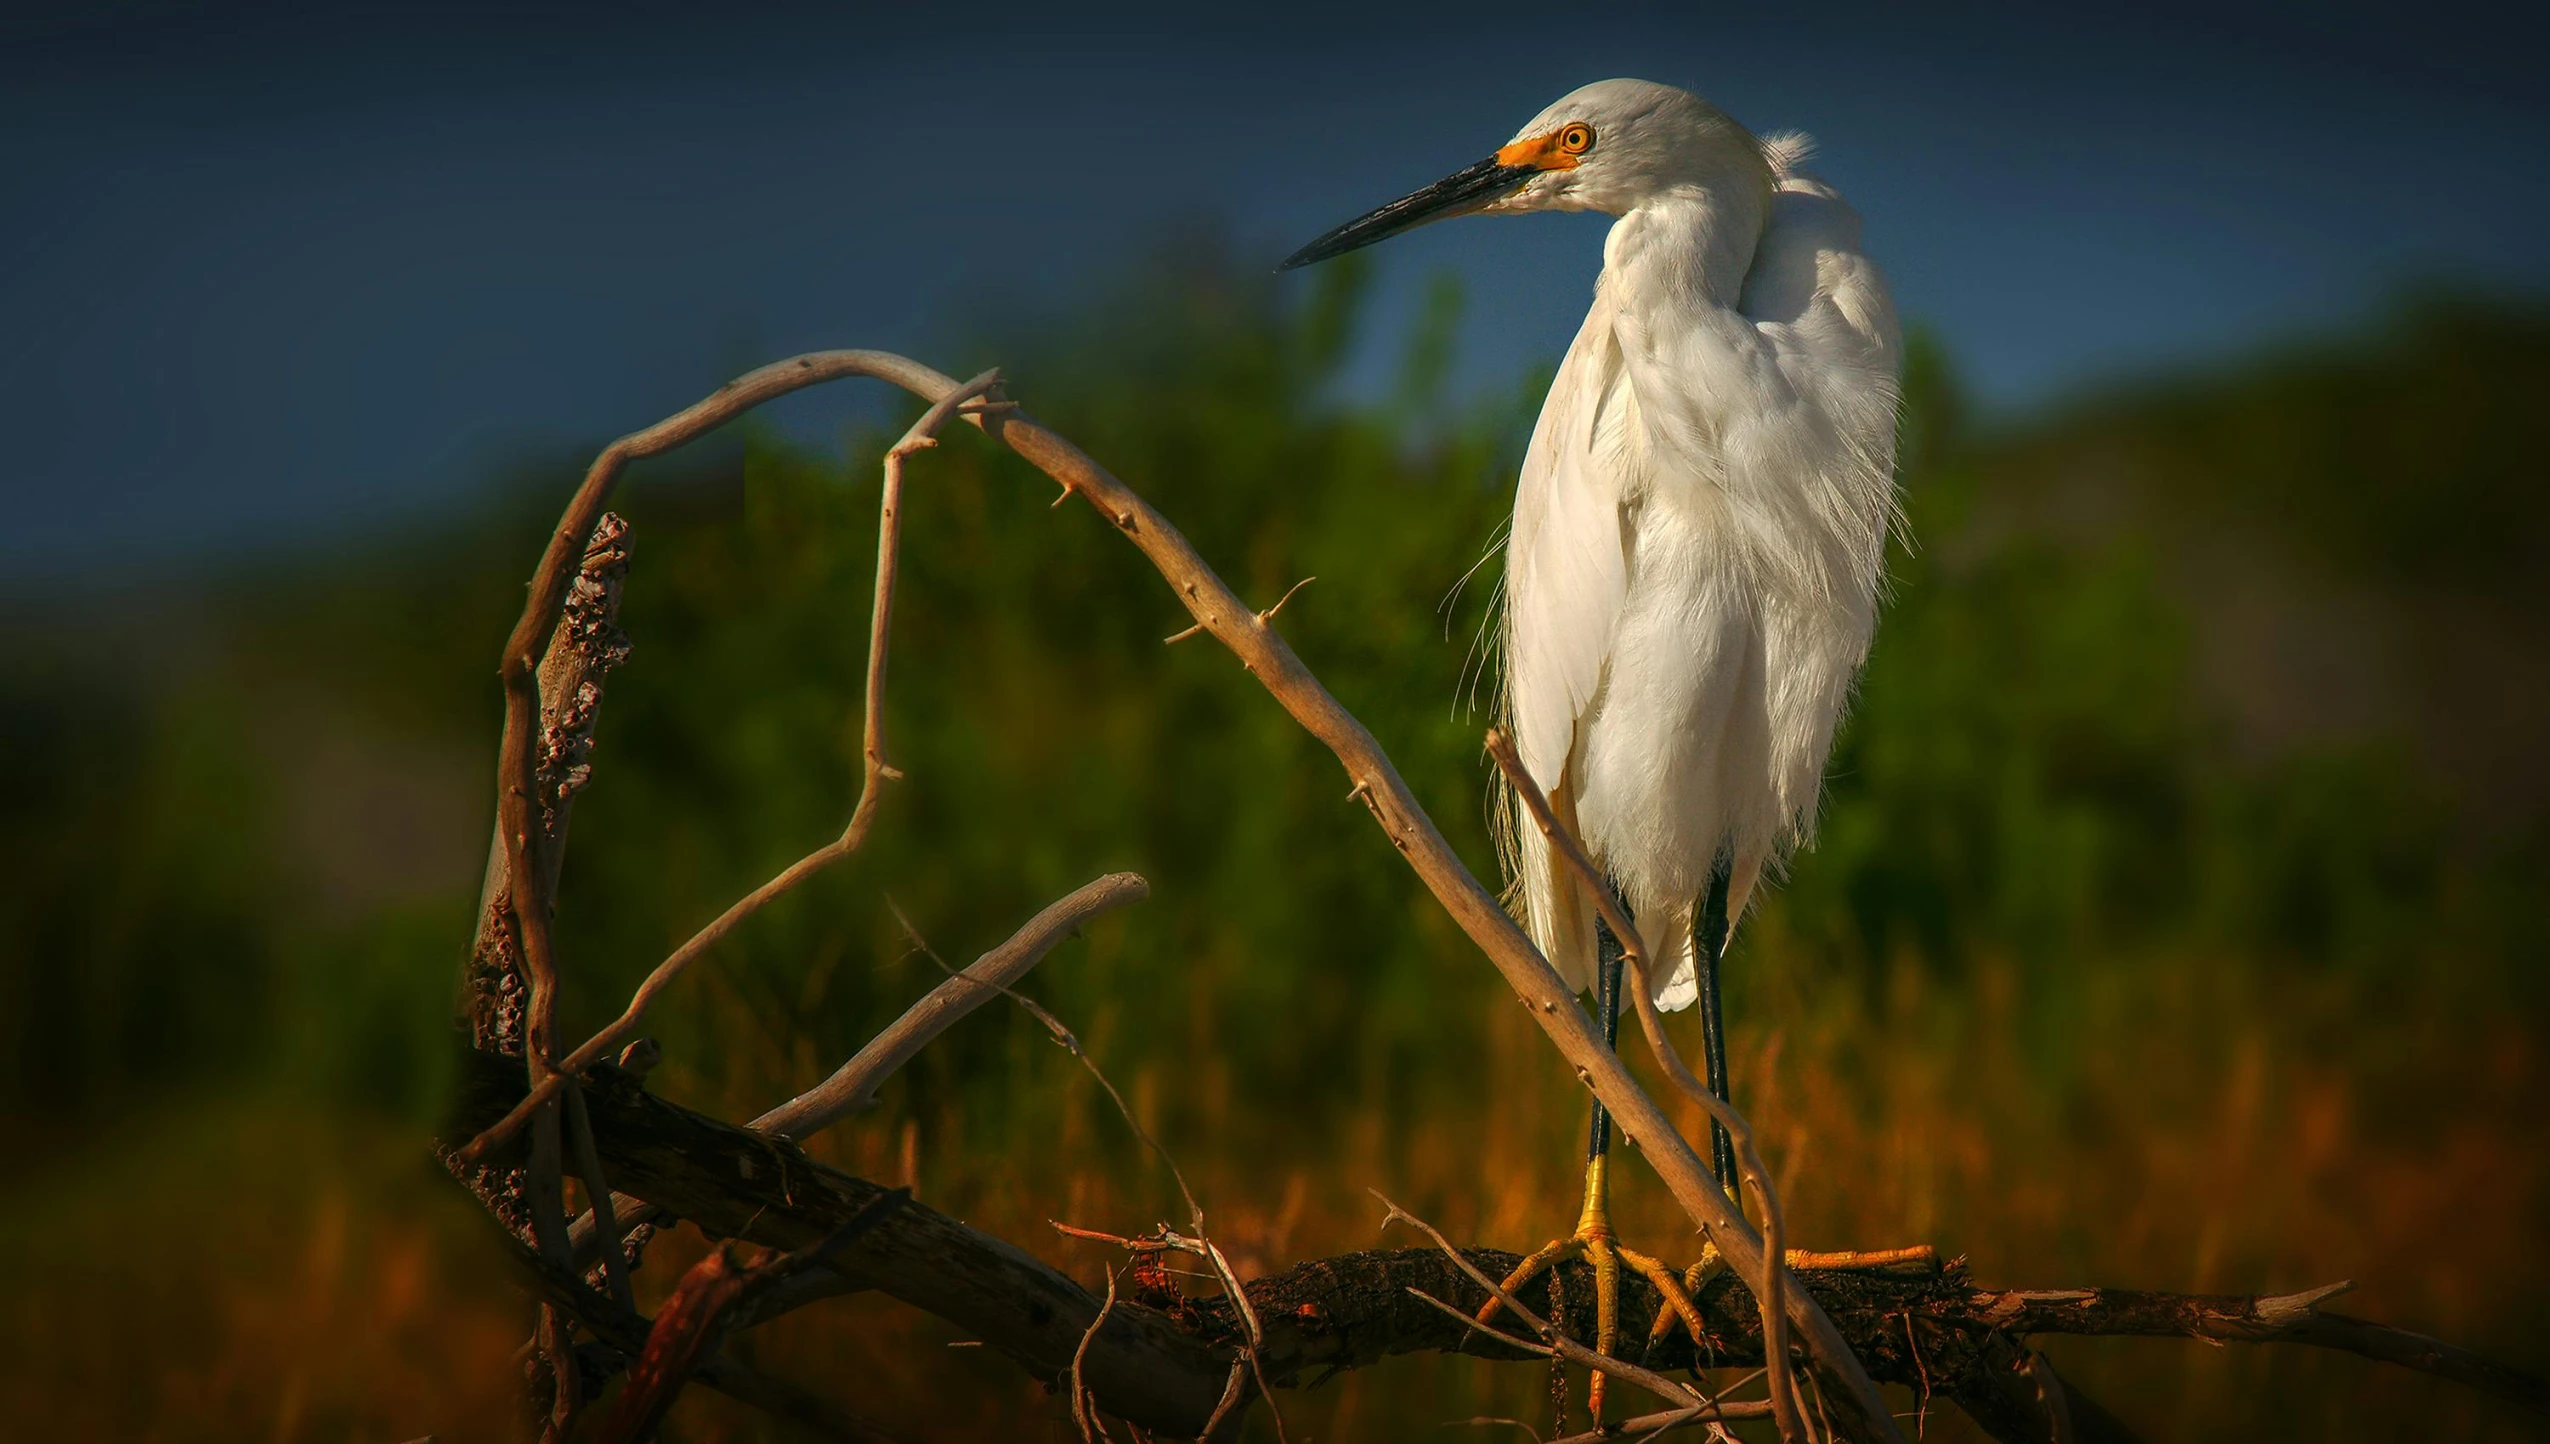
(1576, 139)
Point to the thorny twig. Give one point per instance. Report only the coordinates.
(875, 771)
(853, 1085)
(1767, 1288)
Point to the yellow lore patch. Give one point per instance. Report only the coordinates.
(1558, 150)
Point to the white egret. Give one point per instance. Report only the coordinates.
(1699, 534)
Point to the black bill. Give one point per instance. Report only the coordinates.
(1457, 194)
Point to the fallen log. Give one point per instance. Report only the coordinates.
(1162, 1357)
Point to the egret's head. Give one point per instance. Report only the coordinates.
(1609, 146)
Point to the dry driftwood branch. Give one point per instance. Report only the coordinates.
(1271, 660)
(531, 905)
(1265, 654)
(1163, 1359)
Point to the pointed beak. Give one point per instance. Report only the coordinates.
(1457, 194)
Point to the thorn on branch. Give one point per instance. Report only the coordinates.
(1269, 614)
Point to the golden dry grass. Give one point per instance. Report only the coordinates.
(237, 1273)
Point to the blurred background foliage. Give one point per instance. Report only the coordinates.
(2175, 920)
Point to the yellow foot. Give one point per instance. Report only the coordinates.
(1593, 1243)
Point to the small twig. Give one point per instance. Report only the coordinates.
(1269, 614)
(862, 815)
(615, 1265)
(1489, 1419)
(1084, 1412)
(853, 1086)
(1230, 1400)
(1202, 1245)
(1575, 1353)
(875, 1211)
(1470, 1321)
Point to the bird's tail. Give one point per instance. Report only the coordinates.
(1548, 896)
(1675, 945)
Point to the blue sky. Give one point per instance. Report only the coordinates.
(272, 273)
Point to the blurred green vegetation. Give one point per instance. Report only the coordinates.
(2123, 956)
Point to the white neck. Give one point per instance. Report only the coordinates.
(1688, 244)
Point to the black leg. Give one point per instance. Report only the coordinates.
(1608, 960)
(1711, 930)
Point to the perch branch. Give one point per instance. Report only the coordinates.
(1163, 1359)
